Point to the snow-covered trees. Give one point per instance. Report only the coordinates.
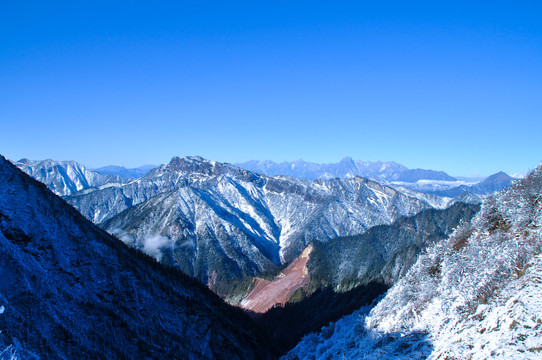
(476, 295)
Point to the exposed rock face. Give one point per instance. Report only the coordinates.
(277, 292)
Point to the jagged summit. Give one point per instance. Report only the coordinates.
(199, 165)
(196, 167)
(195, 164)
(47, 161)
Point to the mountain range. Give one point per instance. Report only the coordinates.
(68, 177)
(69, 290)
(346, 168)
(464, 281)
(213, 219)
(132, 173)
(219, 222)
(390, 173)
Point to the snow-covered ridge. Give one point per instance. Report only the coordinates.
(476, 295)
(65, 177)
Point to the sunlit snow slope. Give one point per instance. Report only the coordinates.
(66, 177)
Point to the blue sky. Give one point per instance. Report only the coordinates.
(453, 86)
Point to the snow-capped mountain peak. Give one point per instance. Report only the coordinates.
(65, 177)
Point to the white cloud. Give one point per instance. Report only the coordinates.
(152, 245)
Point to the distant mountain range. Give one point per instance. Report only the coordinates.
(346, 168)
(390, 173)
(69, 290)
(68, 177)
(133, 173)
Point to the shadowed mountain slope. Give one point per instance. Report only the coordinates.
(69, 290)
(384, 253)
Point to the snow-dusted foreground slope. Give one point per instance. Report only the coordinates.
(69, 290)
(476, 295)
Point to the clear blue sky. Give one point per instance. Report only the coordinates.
(451, 85)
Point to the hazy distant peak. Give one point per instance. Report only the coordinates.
(347, 159)
(414, 175)
(499, 175)
(496, 182)
(345, 168)
(129, 173)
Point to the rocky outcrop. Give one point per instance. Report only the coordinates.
(276, 292)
